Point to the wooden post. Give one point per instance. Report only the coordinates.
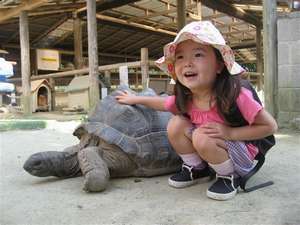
(181, 8)
(199, 9)
(270, 55)
(145, 67)
(78, 59)
(52, 85)
(25, 64)
(93, 53)
(107, 78)
(259, 59)
(136, 79)
(123, 75)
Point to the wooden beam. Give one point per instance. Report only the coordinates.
(148, 11)
(270, 56)
(224, 7)
(24, 6)
(132, 24)
(154, 14)
(260, 7)
(25, 64)
(83, 71)
(69, 52)
(245, 44)
(107, 4)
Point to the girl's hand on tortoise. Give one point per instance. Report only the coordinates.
(125, 97)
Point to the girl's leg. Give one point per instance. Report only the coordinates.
(215, 152)
(212, 150)
(180, 135)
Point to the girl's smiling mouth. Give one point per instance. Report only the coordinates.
(189, 74)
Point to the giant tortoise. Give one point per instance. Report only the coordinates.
(117, 141)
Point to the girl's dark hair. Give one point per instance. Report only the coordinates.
(226, 89)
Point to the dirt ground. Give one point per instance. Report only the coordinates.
(31, 200)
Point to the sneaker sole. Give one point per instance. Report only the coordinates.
(176, 184)
(220, 197)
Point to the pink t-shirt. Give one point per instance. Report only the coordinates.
(247, 105)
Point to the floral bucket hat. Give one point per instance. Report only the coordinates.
(203, 32)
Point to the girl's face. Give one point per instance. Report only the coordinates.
(196, 65)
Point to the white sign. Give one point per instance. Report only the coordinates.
(6, 68)
(103, 93)
(47, 59)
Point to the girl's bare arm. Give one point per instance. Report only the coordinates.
(263, 125)
(154, 102)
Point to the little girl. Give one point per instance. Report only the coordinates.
(202, 66)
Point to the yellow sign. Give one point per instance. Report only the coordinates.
(47, 59)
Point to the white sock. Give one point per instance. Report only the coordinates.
(224, 168)
(194, 160)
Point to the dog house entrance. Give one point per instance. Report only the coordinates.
(42, 99)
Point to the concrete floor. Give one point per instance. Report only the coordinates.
(41, 201)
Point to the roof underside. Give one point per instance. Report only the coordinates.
(123, 30)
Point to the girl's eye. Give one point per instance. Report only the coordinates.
(198, 54)
(179, 57)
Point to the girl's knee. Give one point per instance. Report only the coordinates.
(200, 141)
(178, 125)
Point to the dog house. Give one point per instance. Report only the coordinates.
(41, 95)
(78, 93)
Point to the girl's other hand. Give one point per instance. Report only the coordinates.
(217, 130)
(125, 97)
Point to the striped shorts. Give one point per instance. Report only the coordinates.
(238, 153)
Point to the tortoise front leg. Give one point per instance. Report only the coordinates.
(94, 169)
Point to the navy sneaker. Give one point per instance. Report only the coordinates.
(224, 188)
(188, 176)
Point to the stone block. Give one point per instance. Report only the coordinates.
(283, 119)
(295, 99)
(294, 27)
(295, 52)
(283, 32)
(284, 96)
(283, 53)
(294, 81)
(295, 120)
(284, 76)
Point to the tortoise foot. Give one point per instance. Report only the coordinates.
(94, 169)
(53, 163)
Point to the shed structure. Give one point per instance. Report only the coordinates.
(78, 93)
(41, 95)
